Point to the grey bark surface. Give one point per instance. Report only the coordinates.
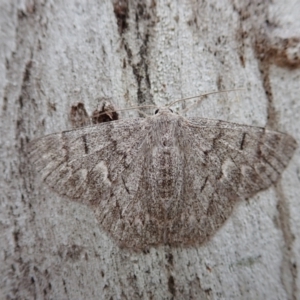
(54, 54)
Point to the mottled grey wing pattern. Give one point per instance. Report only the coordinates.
(218, 163)
(248, 158)
(130, 215)
(82, 163)
(224, 162)
(162, 180)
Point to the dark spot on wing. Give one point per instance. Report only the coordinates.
(86, 148)
(243, 141)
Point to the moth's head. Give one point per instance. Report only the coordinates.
(163, 110)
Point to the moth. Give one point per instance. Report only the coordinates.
(163, 179)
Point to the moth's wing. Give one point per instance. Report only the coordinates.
(130, 215)
(251, 158)
(105, 166)
(224, 162)
(83, 163)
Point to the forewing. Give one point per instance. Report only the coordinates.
(224, 162)
(83, 164)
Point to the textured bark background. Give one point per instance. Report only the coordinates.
(56, 53)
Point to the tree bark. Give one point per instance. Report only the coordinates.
(57, 53)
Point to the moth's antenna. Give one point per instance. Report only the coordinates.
(172, 103)
(210, 93)
(129, 108)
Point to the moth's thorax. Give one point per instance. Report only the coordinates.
(165, 124)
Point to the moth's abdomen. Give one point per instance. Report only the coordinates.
(166, 178)
(165, 172)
